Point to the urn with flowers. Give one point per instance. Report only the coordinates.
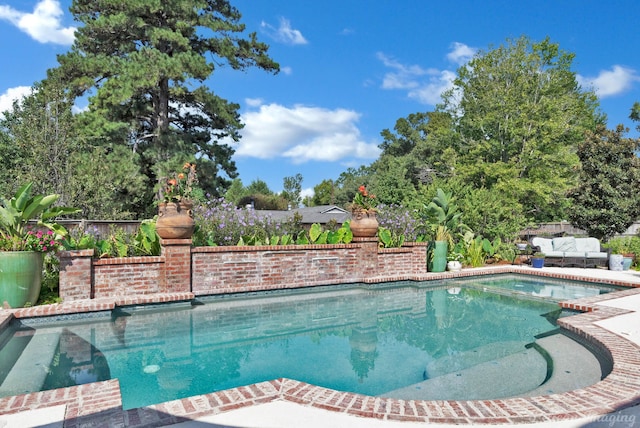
(364, 223)
(175, 218)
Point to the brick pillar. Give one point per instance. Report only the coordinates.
(76, 275)
(367, 256)
(177, 271)
(419, 257)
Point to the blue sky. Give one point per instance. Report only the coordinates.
(351, 68)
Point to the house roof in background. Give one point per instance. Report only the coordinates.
(319, 214)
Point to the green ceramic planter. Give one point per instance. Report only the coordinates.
(20, 277)
(438, 256)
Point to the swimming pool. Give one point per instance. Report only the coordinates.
(371, 339)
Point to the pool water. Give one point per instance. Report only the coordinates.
(547, 288)
(369, 339)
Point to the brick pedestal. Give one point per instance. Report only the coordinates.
(367, 256)
(177, 254)
(76, 275)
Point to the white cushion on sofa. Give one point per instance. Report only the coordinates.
(545, 244)
(588, 245)
(554, 253)
(596, 255)
(565, 244)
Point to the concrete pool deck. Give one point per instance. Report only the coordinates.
(612, 320)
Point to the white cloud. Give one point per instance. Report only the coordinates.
(430, 92)
(284, 33)
(253, 102)
(43, 24)
(610, 82)
(461, 53)
(423, 84)
(13, 94)
(303, 134)
(286, 70)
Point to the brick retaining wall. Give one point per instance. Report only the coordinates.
(182, 268)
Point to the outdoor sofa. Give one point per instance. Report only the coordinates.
(571, 251)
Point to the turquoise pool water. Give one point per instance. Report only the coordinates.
(370, 339)
(540, 288)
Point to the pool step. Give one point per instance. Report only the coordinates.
(463, 360)
(31, 369)
(580, 369)
(524, 373)
(489, 379)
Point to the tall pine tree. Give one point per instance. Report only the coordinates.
(143, 65)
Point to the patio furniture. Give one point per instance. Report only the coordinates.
(571, 251)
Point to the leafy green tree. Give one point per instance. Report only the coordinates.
(607, 201)
(492, 215)
(347, 184)
(43, 147)
(143, 63)
(235, 191)
(259, 187)
(391, 184)
(10, 158)
(324, 193)
(635, 114)
(258, 195)
(39, 139)
(106, 183)
(519, 114)
(419, 142)
(263, 202)
(292, 190)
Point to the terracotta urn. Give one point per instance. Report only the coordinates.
(364, 223)
(175, 220)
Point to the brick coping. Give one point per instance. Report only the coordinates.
(100, 403)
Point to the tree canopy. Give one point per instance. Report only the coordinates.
(607, 201)
(143, 65)
(519, 115)
(504, 136)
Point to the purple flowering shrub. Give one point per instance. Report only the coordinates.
(221, 223)
(400, 222)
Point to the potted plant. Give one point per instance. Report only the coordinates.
(364, 223)
(454, 261)
(616, 262)
(175, 218)
(622, 246)
(22, 246)
(537, 260)
(443, 217)
(438, 249)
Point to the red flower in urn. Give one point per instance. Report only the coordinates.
(175, 220)
(363, 200)
(179, 187)
(363, 214)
